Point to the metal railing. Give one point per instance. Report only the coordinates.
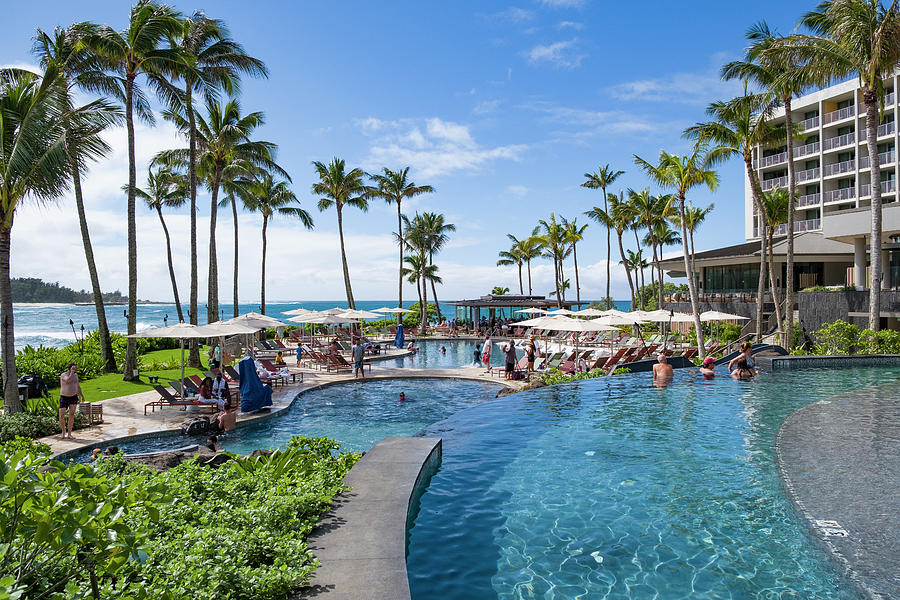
(838, 141)
(886, 129)
(768, 184)
(838, 115)
(842, 167)
(806, 149)
(810, 123)
(808, 200)
(808, 174)
(768, 161)
(799, 226)
(886, 188)
(889, 99)
(883, 159)
(840, 194)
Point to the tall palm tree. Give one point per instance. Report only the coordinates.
(415, 234)
(79, 68)
(338, 187)
(413, 273)
(129, 54)
(529, 248)
(222, 136)
(777, 74)
(436, 230)
(513, 256)
(165, 188)
(34, 164)
(664, 236)
(633, 260)
(573, 235)
(694, 217)
(681, 174)
(776, 201)
(210, 61)
(862, 38)
(394, 187)
(737, 126)
(602, 178)
(269, 198)
(650, 211)
(619, 217)
(556, 249)
(237, 175)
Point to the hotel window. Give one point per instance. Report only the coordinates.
(845, 130)
(810, 114)
(811, 139)
(845, 103)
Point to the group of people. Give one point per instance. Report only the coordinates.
(741, 366)
(481, 355)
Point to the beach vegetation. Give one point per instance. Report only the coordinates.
(601, 179)
(555, 376)
(843, 338)
(619, 215)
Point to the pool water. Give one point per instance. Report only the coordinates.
(459, 354)
(612, 488)
(356, 414)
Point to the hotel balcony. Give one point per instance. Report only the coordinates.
(808, 174)
(799, 226)
(768, 161)
(771, 183)
(848, 166)
(808, 200)
(889, 99)
(884, 158)
(810, 123)
(839, 141)
(840, 195)
(839, 115)
(804, 150)
(887, 187)
(886, 129)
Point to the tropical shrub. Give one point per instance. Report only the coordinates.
(32, 426)
(555, 376)
(841, 337)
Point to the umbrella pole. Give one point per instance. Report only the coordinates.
(181, 343)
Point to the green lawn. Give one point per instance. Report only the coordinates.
(112, 386)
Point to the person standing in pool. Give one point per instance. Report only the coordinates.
(402, 397)
(742, 370)
(746, 354)
(443, 350)
(476, 356)
(662, 371)
(708, 368)
(486, 352)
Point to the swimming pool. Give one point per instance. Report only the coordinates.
(459, 354)
(611, 488)
(356, 414)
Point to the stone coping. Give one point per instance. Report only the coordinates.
(779, 363)
(839, 460)
(361, 542)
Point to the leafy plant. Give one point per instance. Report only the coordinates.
(839, 337)
(32, 426)
(555, 376)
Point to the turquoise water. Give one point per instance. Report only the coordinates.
(458, 354)
(356, 414)
(615, 489)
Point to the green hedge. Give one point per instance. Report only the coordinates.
(33, 426)
(842, 337)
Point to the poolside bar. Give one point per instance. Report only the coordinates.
(504, 307)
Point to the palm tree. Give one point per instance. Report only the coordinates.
(681, 174)
(664, 236)
(415, 235)
(602, 178)
(694, 216)
(633, 260)
(78, 67)
(169, 189)
(619, 217)
(237, 175)
(413, 274)
(436, 230)
(338, 187)
(394, 187)
(862, 38)
(776, 201)
(210, 61)
(778, 75)
(529, 248)
(650, 211)
(513, 256)
(556, 249)
(575, 234)
(737, 126)
(269, 198)
(34, 164)
(128, 54)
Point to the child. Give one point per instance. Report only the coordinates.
(402, 397)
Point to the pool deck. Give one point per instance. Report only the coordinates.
(124, 416)
(839, 459)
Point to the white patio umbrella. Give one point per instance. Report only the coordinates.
(256, 320)
(623, 319)
(323, 319)
(395, 310)
(588, 312)
(180, 331)
(334, 311)
(714, 315)
(530, 311)
(560, 311)
(563, 323)
(682, 318)
(658, 316)
(613, 311)
(300, 311)
(360, 314)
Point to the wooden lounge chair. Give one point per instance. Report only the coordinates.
(166, 398)
(292, 373)
(339, 361)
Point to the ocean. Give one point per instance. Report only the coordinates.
(48, 324)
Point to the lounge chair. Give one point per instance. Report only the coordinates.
(166, 398)
(341, 363)
(292, 373)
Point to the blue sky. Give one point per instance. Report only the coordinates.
(500, 106)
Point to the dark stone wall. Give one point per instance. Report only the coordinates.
(818, 308)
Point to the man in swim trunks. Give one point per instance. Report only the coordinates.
(662, 370)
(486, 348)
(69, 392)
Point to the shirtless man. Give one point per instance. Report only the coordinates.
(69, 392)
(662, 370)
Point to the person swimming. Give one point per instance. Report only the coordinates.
(742, 370)
(443, 350)
(402, 398)
(708, 368)
(746, 354)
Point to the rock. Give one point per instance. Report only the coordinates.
(537, 383)
(161, 461)
(196, 426)
(260, 452)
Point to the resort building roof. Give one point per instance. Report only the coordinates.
(512, 300)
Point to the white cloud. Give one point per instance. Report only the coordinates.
(562, 55)
(486, 107)
(517, 190)
(563, 3)
(432, 147)
(513, 14)
(570, 25)
(594, 122)
(686, 88)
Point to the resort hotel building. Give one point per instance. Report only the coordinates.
(833, 216)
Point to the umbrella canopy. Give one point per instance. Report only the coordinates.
(360, 314)
(530, 311)
(658, 316)
(300, 311)
(180, 331)
(613, 311)
(539, 322)
(323, 319)
(257, 320)
(714, 315)
(334, 311)
(682, 318)
(559, 311)
(222, 328)
(562, 323)
(589, 312)
(394, 311)
(624, 319)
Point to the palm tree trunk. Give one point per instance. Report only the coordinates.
(424, 306)
(106, 350)
(7, 334)
(521, 289)
(608, 248)
(400, 278)
(556, 282)
(434, 292)
(871, 101)
(262, 291)
(756, 193)
(529, 276)
(627, 270)
(131, 359)
(212, 282)
(562, 277)
(234, 216)
(788, 324)
(658, 274)
(577, 285)
(772, 280)
(347, 288)
(194, 352)
(692, 288)
(171, 266)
